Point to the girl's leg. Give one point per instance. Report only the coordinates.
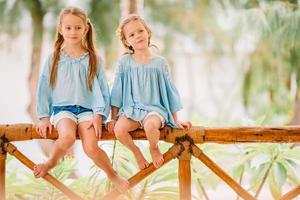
(100, 158)
(66, 137)
(151, 127)
(122, 129)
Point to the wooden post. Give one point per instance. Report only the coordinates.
(291, 194)
(219, 172)
(11, 149)
(184, 168)
(184, 176)
(2, 174)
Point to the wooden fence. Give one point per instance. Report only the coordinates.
(184, 146)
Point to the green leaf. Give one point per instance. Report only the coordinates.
(275, 189)
(237, 171)
(279, 173)
(260, 120)
(260, 159)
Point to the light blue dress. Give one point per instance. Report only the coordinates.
(71, 87)
(141, 88)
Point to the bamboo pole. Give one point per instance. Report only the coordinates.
(2, 174)
(219, 172)
(184, 176)
(291, 194)
(20, 132)
(283, 134)
(11, 149)
(168, 156)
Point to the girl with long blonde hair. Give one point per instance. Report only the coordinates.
(73, 88)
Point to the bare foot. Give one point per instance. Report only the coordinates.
(142, 162)
(40, 170)
(157, 157)
(121, 183)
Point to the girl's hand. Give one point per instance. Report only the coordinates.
(96, 123)
(43, 126)
(111, 125)
(183, 125)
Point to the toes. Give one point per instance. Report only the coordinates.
(143, 165)
(161, 162)
(40, 170)
(124, 187)
(158, 162)
(36, 171)
(121, 184)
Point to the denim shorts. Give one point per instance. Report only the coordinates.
(76, 113)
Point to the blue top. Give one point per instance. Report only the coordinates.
(141, 88)
(71, 87)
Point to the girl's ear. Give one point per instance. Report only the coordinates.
(87, 28)
(59, 30)
(127, 44)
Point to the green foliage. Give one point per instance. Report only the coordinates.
(275, 164)
(23, 185)
(105, 15)
(276, 59)
(10, 13)
(255, 165)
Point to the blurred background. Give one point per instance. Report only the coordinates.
(234, 62)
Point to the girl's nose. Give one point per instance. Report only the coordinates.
(73, 31)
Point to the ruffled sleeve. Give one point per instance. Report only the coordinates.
(116, 92)
(101, 104)
(44, 92)
(172, 92)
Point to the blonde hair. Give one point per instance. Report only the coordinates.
(87, 43)
(120, 31)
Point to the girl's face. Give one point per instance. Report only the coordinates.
(73, 29)
(136, 35)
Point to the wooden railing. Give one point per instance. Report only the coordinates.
(183, 148)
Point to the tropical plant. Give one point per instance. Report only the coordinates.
(11, 14)
(22, 184)
(272, 164)
(105, 15)
(273, 74)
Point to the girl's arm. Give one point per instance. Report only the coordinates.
(111, 124)
(44, 93)
(181, 124)
(97, 124)
(44, 126)
(44, 101)
(114, 112)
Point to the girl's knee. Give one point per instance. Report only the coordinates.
(119, 131)
(150, 126)
(67, 141)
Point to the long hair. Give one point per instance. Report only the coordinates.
(87, 43)
(120, 31)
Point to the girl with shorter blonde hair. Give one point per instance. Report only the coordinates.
(143, 94)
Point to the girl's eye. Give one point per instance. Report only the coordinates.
(68, 28)
(141, 30)
(78, 28)
(131, 35)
